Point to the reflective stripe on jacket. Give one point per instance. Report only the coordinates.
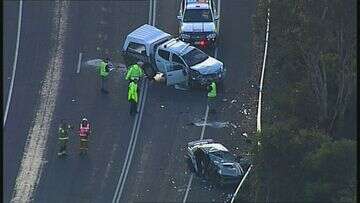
(134, 72)
(63, 134)
(212, 92)
(132, 92)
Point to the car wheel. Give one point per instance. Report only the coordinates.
(202, 168)
(199, 156)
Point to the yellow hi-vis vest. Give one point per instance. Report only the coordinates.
(212, 92)
(134, 72)
(102, 68)
(132, 92)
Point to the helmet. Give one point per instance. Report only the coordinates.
(84, 122)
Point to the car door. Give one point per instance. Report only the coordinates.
(162, 60)
(176, 72)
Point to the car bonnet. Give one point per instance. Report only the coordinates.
(209, 66)
(198, 27)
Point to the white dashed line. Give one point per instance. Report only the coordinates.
(79, 63)
(188, 188)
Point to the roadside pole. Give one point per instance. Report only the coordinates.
(258, 122)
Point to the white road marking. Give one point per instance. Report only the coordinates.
(79, 63)
(32, 161)
(188, 188)
(116, 197)
(216, 52)
(150, 12)
(136, 127)
(154, 13)
(205, 121)
(134, 144)
(218, 10)
(242, 181)
(201, 137)
(15, 62)
(203, 127)
(258, 123)
(258, 126)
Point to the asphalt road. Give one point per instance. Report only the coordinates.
(158, 172)
(32, 61)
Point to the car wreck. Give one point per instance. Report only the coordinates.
(213, 161)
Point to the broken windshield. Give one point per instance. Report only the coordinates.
(194, 57)
(226, 156)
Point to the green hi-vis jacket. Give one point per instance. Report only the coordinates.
(212, 92)
(134, 72)
(103, 70)
(63, 134)
(132, 92)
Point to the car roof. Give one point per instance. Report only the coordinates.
(197, 4)
(177, 46)
(214, 147)
(147, 34)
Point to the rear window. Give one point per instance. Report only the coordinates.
(136, 47)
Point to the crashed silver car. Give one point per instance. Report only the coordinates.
(212, 160)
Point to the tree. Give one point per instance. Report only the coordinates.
(326, 37)
(332, 171)
(279, 172)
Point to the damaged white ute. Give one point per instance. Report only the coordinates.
(177, 61)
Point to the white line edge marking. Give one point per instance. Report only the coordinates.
(258, 124)
(116, 197)
(125, 169)
(242, 181)
(205, 121)
(188, 188)
(201, 137)
(79, 63)
(258, 127)
(216, 52)
(32, 162)
(134, 144)
(15, 62)
(154, 13)
(218, 12)
(206, 116)
(150, 12)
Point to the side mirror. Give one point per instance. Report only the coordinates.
(217, 17)
(179, 17)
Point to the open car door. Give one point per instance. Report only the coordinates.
(176, 74)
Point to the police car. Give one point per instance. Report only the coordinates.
(197, 22)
